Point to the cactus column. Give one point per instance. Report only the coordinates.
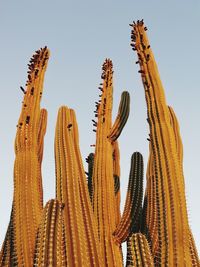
(104, 199)
(28, 197)
(167, 187)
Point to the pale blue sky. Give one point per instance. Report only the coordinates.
(80, 35)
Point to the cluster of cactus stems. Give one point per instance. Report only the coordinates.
(83, 225)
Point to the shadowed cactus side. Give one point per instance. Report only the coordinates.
(83, 225)
(50, 244)
(138, 252)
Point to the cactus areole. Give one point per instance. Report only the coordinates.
(83, 225)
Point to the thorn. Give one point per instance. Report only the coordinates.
(69, 125)
(27, 119)
(148, 46)
(32, 90)
(92, 145)
(24, 91)
(36, 72)
(148, 139)
(143, 46)
(141, 71)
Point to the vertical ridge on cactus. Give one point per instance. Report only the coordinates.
(82, 225)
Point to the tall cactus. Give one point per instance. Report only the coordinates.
(104, 201)
(83, 225)
(166, 194)
(28, 199)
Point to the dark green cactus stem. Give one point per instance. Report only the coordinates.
(90, 161)
(122, 116)
(130, 221)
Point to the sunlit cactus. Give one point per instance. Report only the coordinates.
(167, 219)
(83, 225)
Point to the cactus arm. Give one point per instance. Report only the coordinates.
(138, 251)
(130, 221)
(122, 117)
(116, 177)
(82, 242)
(177, 136)
(151, 228)
(41, 133)
(50, 241)
(173, 228)
(104, 200)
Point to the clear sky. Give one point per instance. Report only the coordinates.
(80, 35)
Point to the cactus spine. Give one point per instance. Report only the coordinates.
(83, 225)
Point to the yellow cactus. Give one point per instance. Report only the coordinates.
(83, 225)
(27, 200)
(167, 213)
(50, 246)
(71, 189)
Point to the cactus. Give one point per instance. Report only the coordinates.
(71, 189)
(50, 247)
(83, 225)
(166, 204)
(130, 221)
(138, 252)
(27, 200)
